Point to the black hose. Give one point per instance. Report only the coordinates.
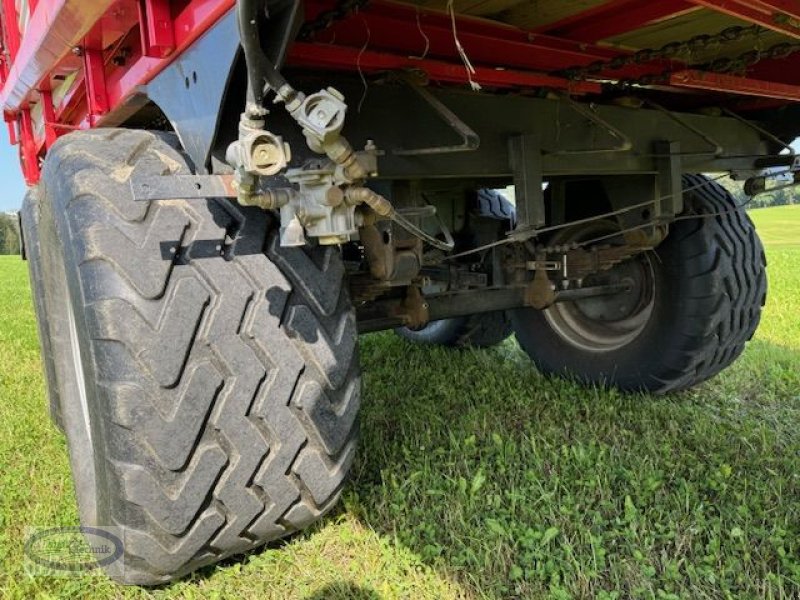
(260, 70)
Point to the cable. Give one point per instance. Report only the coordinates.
(260, 69)
(446, 246)
(523, 236)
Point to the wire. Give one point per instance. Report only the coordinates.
(446, 246)
(523, 236)
(358, 64)
(425, 37)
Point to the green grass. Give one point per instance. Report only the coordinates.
(779, 225)
(478, 478)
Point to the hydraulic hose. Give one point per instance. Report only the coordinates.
(261, 71)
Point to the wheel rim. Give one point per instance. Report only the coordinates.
(606, 323)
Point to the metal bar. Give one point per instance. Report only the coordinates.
(387, 314)
(28, 154)
(669, 188)
(625, 142)
(572, 294)
(94, 72)
(782, 16)
(525, 155)
(49, 118)
(732, 84)
(184, 187)
(470, 140)
(616, 17)
(11, 27)
(158, 37)
(352, 59)
(717, 148)
(773, 138)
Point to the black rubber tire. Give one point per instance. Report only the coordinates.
(492, 204)
(221, 371)
(710, 287)
(29, 219)
(482, 330)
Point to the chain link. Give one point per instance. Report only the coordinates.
(672, 51)
(683, 51)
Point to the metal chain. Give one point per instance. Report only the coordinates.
(736, 65)
(686, 48)
(328, 18)
(671, 51)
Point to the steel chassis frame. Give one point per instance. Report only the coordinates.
(89, 63)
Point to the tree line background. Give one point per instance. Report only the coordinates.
(9, 234)
(770, 198)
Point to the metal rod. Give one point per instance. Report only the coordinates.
(470, 140)
(625, 145)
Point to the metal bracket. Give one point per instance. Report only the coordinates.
(625, 142)
(669, 184)
(760, 130)
(525, 156)
(470, 140)
(717, 147)
(183, 187)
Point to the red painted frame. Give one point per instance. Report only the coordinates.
(86, 37)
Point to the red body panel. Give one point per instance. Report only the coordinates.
(66, 70)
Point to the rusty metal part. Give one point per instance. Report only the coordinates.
(393, 258)
(414, 310)
(400, 311)
(540, 292)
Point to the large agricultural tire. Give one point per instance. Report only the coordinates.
(29, 221)
(707, 286)
(208, 378)
(482, 330)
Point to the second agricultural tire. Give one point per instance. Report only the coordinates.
(29, 221)
(695, 301)
(208, 379)
(482, 330)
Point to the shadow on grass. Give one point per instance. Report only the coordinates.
(519, 486)
(344, 591)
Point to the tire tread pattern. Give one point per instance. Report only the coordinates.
(227, 366)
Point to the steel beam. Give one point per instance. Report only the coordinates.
(94, 72)
(782, 16)
(11, 27)
(732, 84)
(405, 29)
(525, 154)
(616, 17)
(345, 58)
(156, 27)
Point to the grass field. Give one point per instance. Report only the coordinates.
(478, 478)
